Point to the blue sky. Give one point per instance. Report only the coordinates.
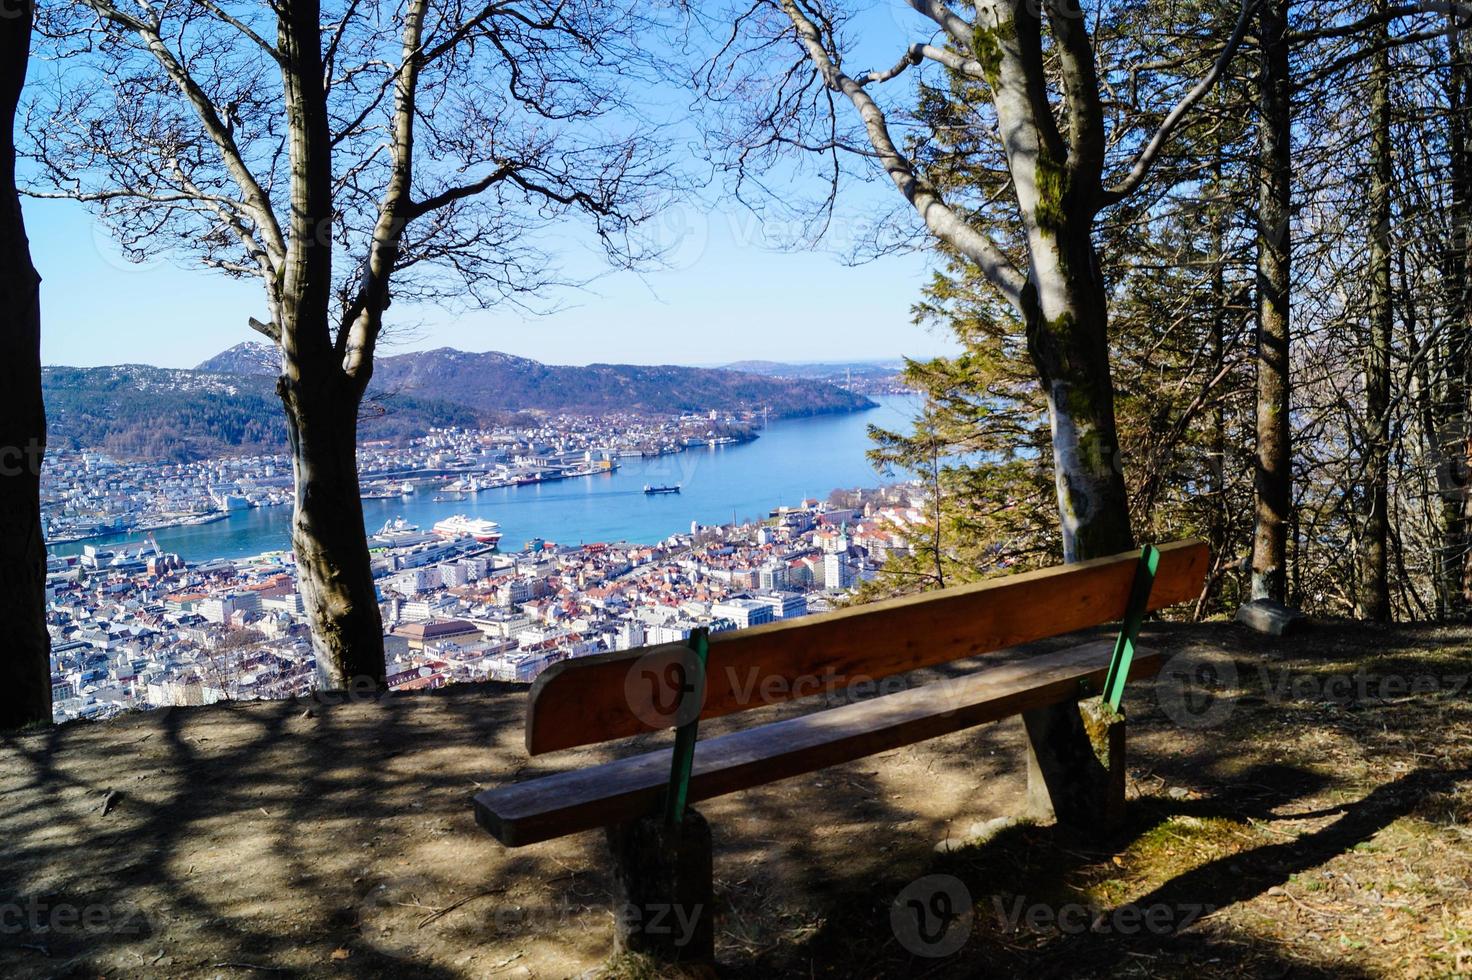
(724, 300)
(726, 297)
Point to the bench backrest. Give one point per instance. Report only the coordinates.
(595, 699)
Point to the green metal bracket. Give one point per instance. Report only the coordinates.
(1129, 632)
(678, 792)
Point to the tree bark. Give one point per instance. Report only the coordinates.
(1063, 304)
(1070, 350)
(334, 569)
(25, 646)
(1449, 431)
(1374, 597)
(1273, 477)
(1061, 296)
(321, 400)
(1457, 509)
(663, 899)
(1220, 514)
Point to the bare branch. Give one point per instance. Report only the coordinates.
(952, 60)
(910, 57)
(256, 199)
(417, 209)
(271, 330)
(1147, 157)
(946, 18)
(942, 221)
(242, 27)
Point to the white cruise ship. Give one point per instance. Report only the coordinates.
(460, 526)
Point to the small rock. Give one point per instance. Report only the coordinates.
(1271, 617)
(1178, 793)
(309, 713)
(950, 845)
(984, 830)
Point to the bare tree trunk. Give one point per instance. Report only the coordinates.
(331, 546)
(1274, 497)
(25, 646)
(321, 400)
(1220, 517)
(1450, 409)
(1069, 349)
(1374, 596)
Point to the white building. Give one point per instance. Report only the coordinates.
(772, 577)
(744, 612)
(671, 632)
(836, 571)
(630, 634)
(220, 609)
(785, 605)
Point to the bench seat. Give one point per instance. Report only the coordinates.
(626, 789)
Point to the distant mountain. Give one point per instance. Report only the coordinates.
(496, 382)
(500, 382)
(160, 413)
(247, 358)
(820, 369)
(167, 414)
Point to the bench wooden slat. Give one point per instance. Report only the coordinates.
(584, 799)
(586, 701)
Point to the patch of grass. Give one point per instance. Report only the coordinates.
(635, 966)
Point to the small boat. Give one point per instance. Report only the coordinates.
(653, 490)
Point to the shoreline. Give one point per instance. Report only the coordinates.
(790, 461)
(144, 528)
(427, 477)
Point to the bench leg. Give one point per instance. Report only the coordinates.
(663, 902)
(1075, 767)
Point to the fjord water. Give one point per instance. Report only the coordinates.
(793, 459)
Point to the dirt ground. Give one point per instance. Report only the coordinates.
(1314, 818)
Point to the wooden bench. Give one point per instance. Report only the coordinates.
(661, 848)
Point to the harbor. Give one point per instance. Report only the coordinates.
(793, 459)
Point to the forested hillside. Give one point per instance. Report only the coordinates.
(500, 382)
(145, 412)
(158, 413)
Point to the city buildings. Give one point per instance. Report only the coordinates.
(138, 628)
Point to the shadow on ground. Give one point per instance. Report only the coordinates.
(299, 839)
